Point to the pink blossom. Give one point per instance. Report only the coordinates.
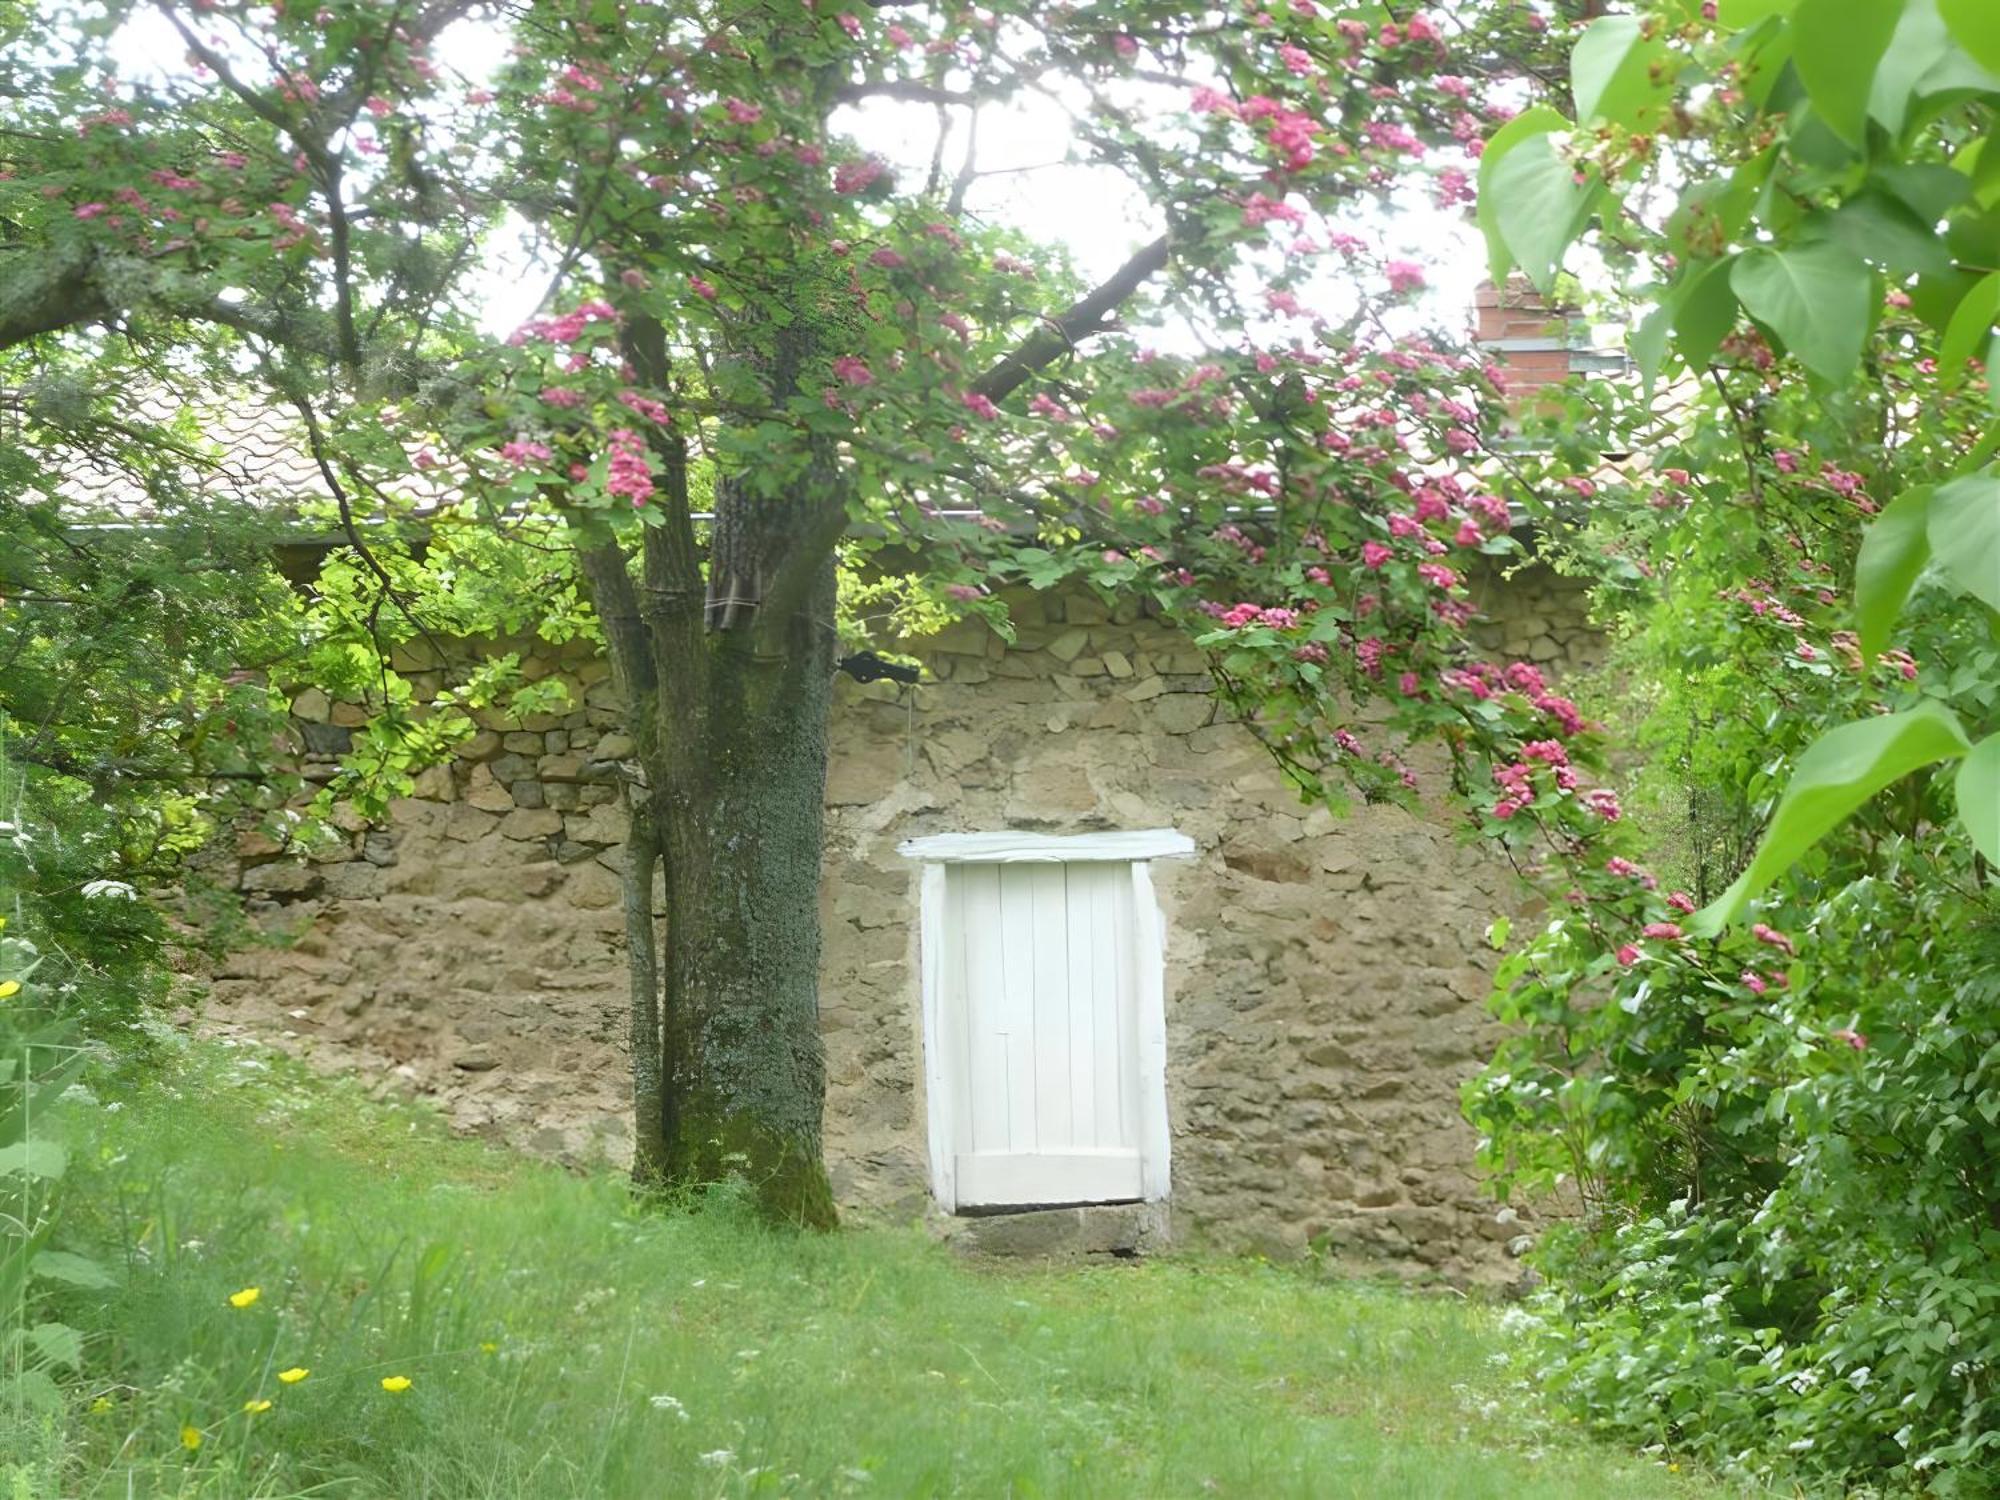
(1375, 554)
(645, 406)
(1604, 803)
(855, 176)
(1042, 406)
(1752, 981)
(887, 259)
(742, 112)
(852, 370)
(92, 210)
(1774, 938)
(701, 288)
(849, 23)
(1850, 1036)
(1680, 901)
(523, 451)
(1628, 955)
(562, 395)
(965, 593)
(1404, 275)
(979, 405)
(1668, 930)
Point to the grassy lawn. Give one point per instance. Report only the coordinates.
(558, 1344)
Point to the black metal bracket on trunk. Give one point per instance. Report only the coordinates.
(866, 666)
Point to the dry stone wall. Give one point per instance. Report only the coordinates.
(1325, 979)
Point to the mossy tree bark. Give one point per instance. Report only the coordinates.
(726, 670)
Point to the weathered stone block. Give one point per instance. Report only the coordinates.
(531, 823)
(312, 706)
(1182, 713)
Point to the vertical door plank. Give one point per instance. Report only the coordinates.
(1054, 1126)
(1017, 1005)
(982, 1021)
(1107, 1050)
(1079, 944)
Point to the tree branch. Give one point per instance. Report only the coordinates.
(907, 89)
(1087, 316)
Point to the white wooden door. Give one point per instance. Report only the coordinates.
(1038, 1026)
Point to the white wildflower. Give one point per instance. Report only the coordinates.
(669, 1403)
(114, 890)
(717, 1458)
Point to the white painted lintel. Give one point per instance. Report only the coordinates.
(1009, 847)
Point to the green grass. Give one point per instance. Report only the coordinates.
(560, 1344)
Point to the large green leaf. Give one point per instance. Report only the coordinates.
(1967, 332)
(1919, 45)
(1617, 72)
(1892, 554)
(1706, 315)
(1975, 26)
(1539, 120)
(1741, 13)
(1538, 206)
(1816, 297)
(57, 1343)
(1883, 229)
(1837, 774)
(1964, 531)
(1836, 46)
(35, 1158)
(72, 1270)
(1978, 788)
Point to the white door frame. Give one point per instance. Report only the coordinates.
(1133, 849)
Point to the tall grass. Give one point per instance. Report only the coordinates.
(559, 1344)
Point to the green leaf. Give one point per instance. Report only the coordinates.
(1816, 297)
(1739, 14)
(1883, 229)
(1649, 340)
(1970, 324)
(1964, 531)
(1528, 123)
(1706, 315)
(58, 1343)
(35, 1158)
(72, 1270)
(1978, 789)
(1919, 45)
(1616, 72)
(1836, 46)
(1975, 26)
(1893, 553)
(1539, 207)
(1838, 773)
(1930, 189)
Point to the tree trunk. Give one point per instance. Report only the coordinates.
(739, 796)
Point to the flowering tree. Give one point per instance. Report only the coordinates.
(748, 318)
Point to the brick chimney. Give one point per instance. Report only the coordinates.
(1522, 334)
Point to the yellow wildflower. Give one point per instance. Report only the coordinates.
(489, 1347)
(395, 1385)
(9, 988)
(100, 1406)
(294, 1375)
(244, 1298)
(253, 1407)
(190, 1438)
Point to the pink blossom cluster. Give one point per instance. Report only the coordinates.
(629, 472)
(566, 328)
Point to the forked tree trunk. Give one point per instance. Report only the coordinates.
(728, 1071)
(743, 1069)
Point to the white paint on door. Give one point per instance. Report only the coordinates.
(1044, 1046)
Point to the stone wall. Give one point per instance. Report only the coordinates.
(1325, 980)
